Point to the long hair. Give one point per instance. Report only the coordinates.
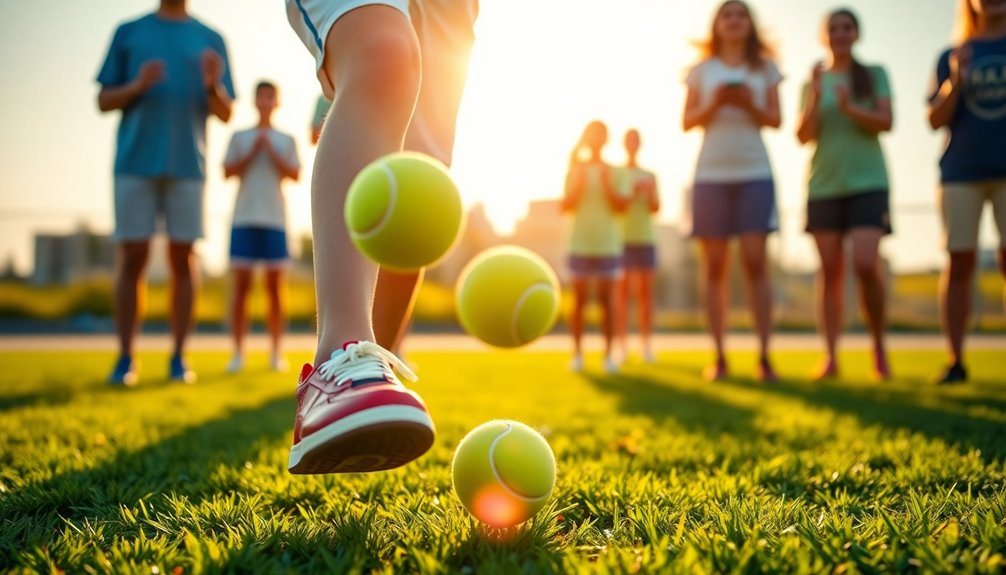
(966, 26)
(581, 144)
(862, 80)
(756, 50)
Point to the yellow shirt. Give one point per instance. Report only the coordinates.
(596, 227)
(637, 225)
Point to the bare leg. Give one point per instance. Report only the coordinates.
(644, 300)
(830, 296)
(129, 293)
(714, 288)
(393, 303)
(622, 294)
(239, 308)
(872, 296)
(276, 318)
(755, 264)
(608, 296)
(184, 283)
(373, 62)
(580, 289)
(955, 299)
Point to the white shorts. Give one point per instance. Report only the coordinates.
(962, 205)
(140, 203)
(445, 29)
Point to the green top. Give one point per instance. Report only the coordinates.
(321, 108)
(637, 224)
(596, 227)
(848, 159)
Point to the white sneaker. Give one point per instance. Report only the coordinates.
(279, 364)
(610, 366)
(237, 364)
(576, 366)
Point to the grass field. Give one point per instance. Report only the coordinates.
(658, 472)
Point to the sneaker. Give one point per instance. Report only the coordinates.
(649, 357)
(354, 415)
(124, 372)
(610, 366)
(766, 374)
(279, 364)
(178, 370)
(954, 374)
(237, 364)
(717, 371)
(576, 366)
(827, 372)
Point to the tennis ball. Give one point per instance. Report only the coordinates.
(503, 472)
(507, 296)
(403, 211)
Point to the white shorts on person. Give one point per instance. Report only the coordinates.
(445, 29)
(961, 205)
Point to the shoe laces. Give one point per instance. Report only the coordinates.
(363, 360)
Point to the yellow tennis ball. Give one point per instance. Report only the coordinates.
(507, 296)
(404, 211)
(503, 472)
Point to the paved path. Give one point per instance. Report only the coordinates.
(457, 342)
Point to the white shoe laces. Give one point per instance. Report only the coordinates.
(363, 360)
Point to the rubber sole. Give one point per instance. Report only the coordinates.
(372, 440)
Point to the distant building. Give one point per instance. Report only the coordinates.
(63, 259)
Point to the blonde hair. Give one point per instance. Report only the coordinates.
(756, 50)
(966, 26)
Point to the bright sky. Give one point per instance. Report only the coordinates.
(540, 70)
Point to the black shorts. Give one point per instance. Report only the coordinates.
(863, 210)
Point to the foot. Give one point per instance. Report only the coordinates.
(278, 363)
(178, 370)
(237, 364)
(576, 366)
(354, 415)
(954, 374)
(124, 372)
(648, 356)
(766, 374)
(718, 371)
(610, 366)
(827, 371)
(881, 369)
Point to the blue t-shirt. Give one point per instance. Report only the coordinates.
(975, 147)
(163, 132)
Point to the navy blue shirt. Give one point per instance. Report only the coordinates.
(976, 147)
(163, 132)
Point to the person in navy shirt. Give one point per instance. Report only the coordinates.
(969, 100)
(167, 73)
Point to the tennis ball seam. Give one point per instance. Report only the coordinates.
(531, 290)
(392, 200)
(499, 480)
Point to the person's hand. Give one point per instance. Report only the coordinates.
(815, 78)
(722, 95)
(960, 64)
(212, 66)
(742, 96)
(842, 95)
(644, 186)
(262, 141)
(151, 72)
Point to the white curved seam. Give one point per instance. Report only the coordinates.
(520, 303)
(392, 200)
(499, 480)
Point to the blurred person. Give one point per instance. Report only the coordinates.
(321, 107)
(261, 157)
(639, 253)
(733, 92)
(595, 247)
(968, 98)
(395, 72)
(846, 106)
(166, 72)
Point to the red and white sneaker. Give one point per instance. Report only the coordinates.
(353, 415)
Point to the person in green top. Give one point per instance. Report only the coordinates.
(639, 187)
(595, 247)
(846, 106)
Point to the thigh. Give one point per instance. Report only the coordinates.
(274, 248)
(830, 249)
(183, 210)
(865, 245)
(136, 207)
(869, 210)
(961, 205)
(712, 210)
(997, 195)
(755, 208)
(446, 35)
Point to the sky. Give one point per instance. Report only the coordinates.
(540, 70)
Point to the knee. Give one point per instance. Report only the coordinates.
(866, 267)
(180, 260)
(754, 269)
(962, 267)
(385, 69)
(134, 260)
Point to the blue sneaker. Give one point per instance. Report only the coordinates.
(124, 372)
(179, 371)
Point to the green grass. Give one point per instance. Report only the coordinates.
(658, 472)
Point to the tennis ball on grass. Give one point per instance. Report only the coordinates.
(507, 296)
(404, 211)
(504, 472)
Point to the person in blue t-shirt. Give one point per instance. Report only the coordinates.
(969, 100)
(167, 72)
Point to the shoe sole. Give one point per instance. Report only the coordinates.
(371, 440)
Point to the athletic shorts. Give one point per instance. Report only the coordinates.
(252, 245)
(143, 205)
(603, 267)
(724, 210)
(640, 256)
(962, 203)
(445, 29)
(862, 210)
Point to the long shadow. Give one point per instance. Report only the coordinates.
(895, 406)
(182, 464)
